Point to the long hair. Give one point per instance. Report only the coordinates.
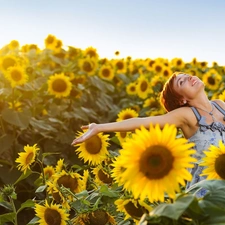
(169, 98)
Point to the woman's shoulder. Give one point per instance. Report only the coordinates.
(219, 102)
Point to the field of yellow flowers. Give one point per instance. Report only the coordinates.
(46, 95)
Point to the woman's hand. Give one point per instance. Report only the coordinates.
(92, 130)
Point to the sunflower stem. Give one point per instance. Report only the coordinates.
(2, 125)
(14, 210)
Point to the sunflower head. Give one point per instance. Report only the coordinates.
(93, 150)
(155, 162)
(59, 85)
(126, 114)
(27, 158)
(7, 61)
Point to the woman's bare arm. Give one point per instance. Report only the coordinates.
(175, 117)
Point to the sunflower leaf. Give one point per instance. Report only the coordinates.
(28, 204)
(7, 217)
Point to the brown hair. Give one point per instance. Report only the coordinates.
(169, 98)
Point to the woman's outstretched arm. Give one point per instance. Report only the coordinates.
(174, 117)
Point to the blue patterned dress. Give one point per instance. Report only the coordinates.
(206, 135)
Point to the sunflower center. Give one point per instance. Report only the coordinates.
(156, 162)
(154, 104)
(8, 62)
(16, 75)
(119, 65)
(158, 69)
(87, 67)
(144, 86)
(133, 211)
(211, 80)
(132, 88)
(59, 85)
(29, 157)
(105, 72)
(151, 63)
(105, 178)
(220, 166)
(98, 217)
(91, 53)
(123, 134)
(127, 116)
(50, 39)
(93, 145)
(166, 73)
(68, 182)
(52, 217)
(179, 62)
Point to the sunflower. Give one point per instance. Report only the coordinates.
(222, 96)
(177, 63)
(8, 61)
(16, 105)
(158, 82)
(16, 76)
(143, 87)
(202, 65)
(212, 79)
(149, 64)
(106, 72)
(122, 136)
(156, 162)
(70, 180)
(91, 52)
(101, 176)
(167, 72)
(126, 114)
(158, 67)
(50, 42)
(14, 44)
(214, 162)
(131, 88)
(93, 150)
(132, 208)
(97, 217)
(120, 66)
(49, 171)
(152, 103)
(26, 158)
(88, 65)
(51, 214)
(59, 85)
(59, 166)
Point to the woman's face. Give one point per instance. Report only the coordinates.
(187, 85)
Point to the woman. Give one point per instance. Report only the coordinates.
(183, 96)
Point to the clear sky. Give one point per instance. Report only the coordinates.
(137, 28)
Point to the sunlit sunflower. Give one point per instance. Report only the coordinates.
(120, 66)
(167, 72)
(132, 208)
(59, 85)
(91, 52)
(88, 65)
(13, 45)
(131, 88)
(106, 72)
(202, 65)
(79, 79)
(101, 176)
(152, 103)
(156, 162)
(122, 136)
(212, 79)
(26, 158)
(93, 150)
(158, 67)
(177, 63)
(16, 76)
(8, 61)
(50, 42)
(149, 64)
(126, 114)
(58, 46)
(51, 214)
(49, 171)
(214, 162)
(143, 87)
(60, 165)
(97, 217)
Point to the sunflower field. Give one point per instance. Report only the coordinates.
(118, 178)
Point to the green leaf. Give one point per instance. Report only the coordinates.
(23, 176)
(20, 119)
(41, 188)
(34, 221)
(174, 210)
(105, 191)
(28, 204)
(7, 217)
(6, 141)
(6, 205)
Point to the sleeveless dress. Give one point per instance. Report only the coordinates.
(206, 135)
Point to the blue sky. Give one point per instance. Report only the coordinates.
(137, 28)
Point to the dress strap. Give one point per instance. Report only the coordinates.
(197, 114)
(218, 107)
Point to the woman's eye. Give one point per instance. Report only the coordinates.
(181, 82)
